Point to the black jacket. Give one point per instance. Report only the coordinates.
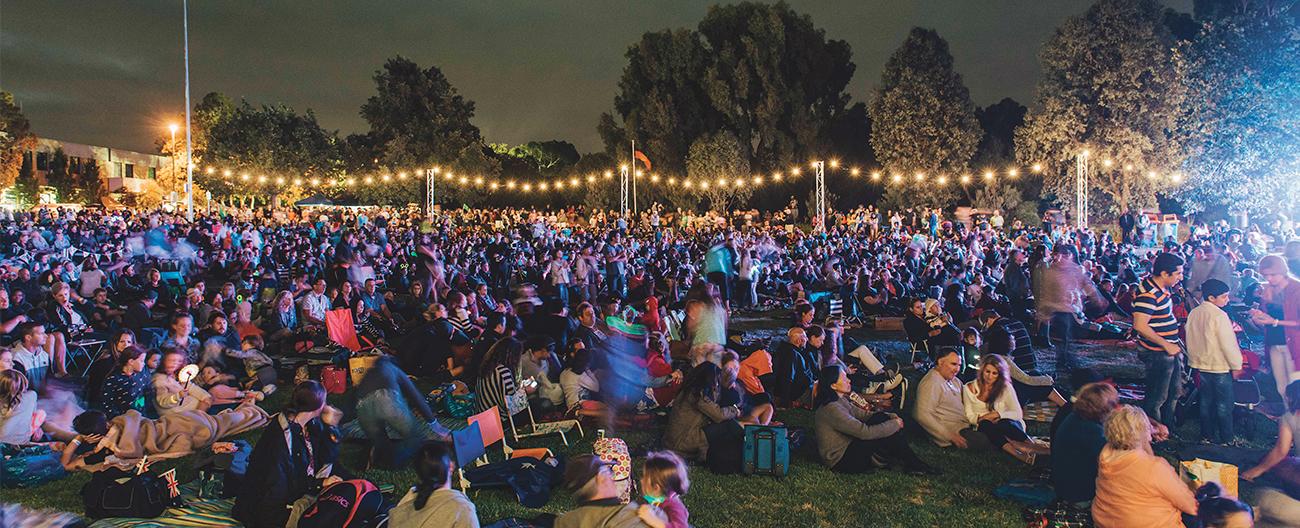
(277, 475)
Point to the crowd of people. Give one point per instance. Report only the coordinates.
(606, 318)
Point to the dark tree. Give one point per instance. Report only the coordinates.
(999, 122)
(417, 117)
(923, 121)
(57, 176)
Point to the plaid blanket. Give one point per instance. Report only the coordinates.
(1040, 412)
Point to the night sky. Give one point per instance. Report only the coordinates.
(109, 72)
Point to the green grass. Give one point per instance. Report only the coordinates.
(809, 496)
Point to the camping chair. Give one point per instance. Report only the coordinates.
(342, 330)
(922, 347)
(560, 427)
(469, 450)
(489, 424)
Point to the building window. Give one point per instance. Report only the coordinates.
(130, 170)
(118, 169)
(42, 161)
(153, 173)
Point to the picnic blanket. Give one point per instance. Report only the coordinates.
(1040, 412)
(195, 513)
(132, 436)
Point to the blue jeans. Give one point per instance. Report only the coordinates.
(1216, 407)
(1164, 381)
(1063, 324)
(392, 428)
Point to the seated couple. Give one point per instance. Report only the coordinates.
(985, 409)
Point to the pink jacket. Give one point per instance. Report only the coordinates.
(1136, 489)
(1291, 312)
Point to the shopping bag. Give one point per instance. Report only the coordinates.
(1225, 475)
(358, 367)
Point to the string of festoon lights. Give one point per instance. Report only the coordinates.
(878, 176)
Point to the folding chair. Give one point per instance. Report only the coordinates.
(489, 424)
(468, 443)
(342, 330)
(544, 428)
(921, 347)
(88, 348)
(834, 309)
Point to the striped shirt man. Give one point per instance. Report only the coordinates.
(1158, 304)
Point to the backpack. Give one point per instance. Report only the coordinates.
(347, 504)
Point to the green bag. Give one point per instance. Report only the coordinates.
(459, 405)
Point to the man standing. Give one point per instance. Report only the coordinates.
(1158, 342)
(1062, 285)
(1209, 264)
(1213, 351)
(557, 270)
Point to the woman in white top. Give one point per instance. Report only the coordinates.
(991, 405)
(91, 278)
(580, 385)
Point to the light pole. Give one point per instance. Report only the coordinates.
(1082, 186)
(171, 148)
(189, 167)
(820, 199)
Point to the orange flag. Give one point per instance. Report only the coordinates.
(642, 157)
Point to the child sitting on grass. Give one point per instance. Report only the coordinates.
(663, 482)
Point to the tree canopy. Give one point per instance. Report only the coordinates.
(1241, 121)
(922, 117)
(15, 138)
(761, 71)
(1112, 84)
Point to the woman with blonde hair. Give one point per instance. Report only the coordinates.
(1135, 488)
(992, 407)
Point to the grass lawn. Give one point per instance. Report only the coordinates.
(810, 496)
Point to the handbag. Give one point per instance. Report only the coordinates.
(116, 493)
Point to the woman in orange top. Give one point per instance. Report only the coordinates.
(754, 367)
(1135, 488)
